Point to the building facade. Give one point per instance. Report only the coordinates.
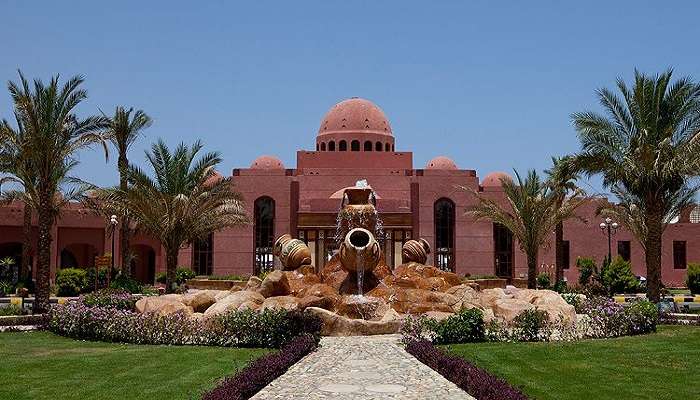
(355, 142)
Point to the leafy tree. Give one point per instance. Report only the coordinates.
(52, 135)
(532, 211)
(185, 201)
(561, 179)
(646, 149)
(124, 129)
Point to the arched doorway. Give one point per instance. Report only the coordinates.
(264, 233)
(502, 251)
(78, 255)
(143, 263)
(444, 218)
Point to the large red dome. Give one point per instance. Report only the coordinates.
(355, 115)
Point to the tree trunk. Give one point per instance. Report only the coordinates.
(559, 254)
(532, 271)
(124, 231)
(25, 272)
(653, 253)
(170, 267)
(41, 301)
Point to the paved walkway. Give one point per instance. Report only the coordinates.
(361, 367)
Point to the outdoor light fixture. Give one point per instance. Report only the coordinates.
(113, 221)
(610, 227)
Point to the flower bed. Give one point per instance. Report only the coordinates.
(468, 377)
(262, 371)
(109, 318)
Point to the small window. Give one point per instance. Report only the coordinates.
(355, 145)
(565, 247)
(679, 254)
(392, 147)
(695, 215)
(624, 249)
(343, 146)
(202, 255)
(323, 146)
(387, 147)
(378, 146)
(331, 145)
(316, 146)
(368, 146)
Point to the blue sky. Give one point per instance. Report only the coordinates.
(490, 84)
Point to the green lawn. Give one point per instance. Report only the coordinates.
(659, 366)
(40, 365)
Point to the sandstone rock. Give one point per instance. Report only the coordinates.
(488, 297)
(419, 301)
(438, 315)
(327, 303)
(163, 305)
(362, 307)
(320, 290)
(253, 283)
(549, 301)
(289, 303)
(507, 309)
(234, 301)
(299, 281)
(466, 295)
(200, 300)
(274, 284)
(337, 325)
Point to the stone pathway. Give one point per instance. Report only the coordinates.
(361, 367)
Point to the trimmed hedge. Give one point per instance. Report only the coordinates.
(262, 371)
(467, 376)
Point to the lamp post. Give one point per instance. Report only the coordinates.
(113, 221)
(609, 227)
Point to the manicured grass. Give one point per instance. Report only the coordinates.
(41, 365)
(659, 366)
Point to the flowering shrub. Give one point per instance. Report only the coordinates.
(532, 326)
(413, 328)
(463, 327)
(606, 318)
(467, 376)
(115, 298)
(575, 299)
(262, 371)
(109, 323)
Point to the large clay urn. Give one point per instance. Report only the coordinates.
(359, 251)
(293, 253)
(415, 251)
(357, 211)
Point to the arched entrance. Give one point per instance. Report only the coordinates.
(143, 263)
(264, 233)
(444, 218)
(78, 255)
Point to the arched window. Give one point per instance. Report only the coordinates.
(368, 146)
(387, 148)
(316, 146)
(323, 146)
(378, 146)
(695, 215)
(264, 233)
(392, 147)
(343, 146)
(202, 255)
(355, 145)
(444, 234)
(331, 145)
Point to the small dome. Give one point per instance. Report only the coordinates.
(267, 162)
(355, 115)
(494, 179)
(214, 178)
(441, 162)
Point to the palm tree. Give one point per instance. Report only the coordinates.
(533, 211)
(561, 179)
(646, 149)
(124, 130)
(13, 161)
(53, 135)
(185, 201)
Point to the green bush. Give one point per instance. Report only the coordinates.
(586, 270)
(463, 327)
(693, 281)
(160, 277)
(126, 283)
(642, 317)
(232, 277)
(182, 274)
(531, 325)
(71, 281)
(618, 277)
(11, 309)
(6, 288)
(102, 277)
(543, 280)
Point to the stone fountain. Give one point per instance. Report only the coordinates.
(355, 292)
